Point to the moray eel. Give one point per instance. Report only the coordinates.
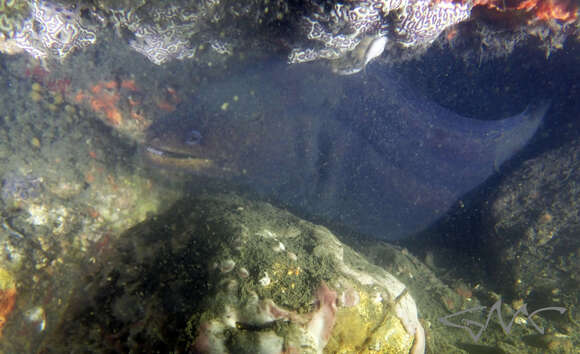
(370, 154)
(175, 148)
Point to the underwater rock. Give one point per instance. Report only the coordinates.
(417, 23)
(53, 30)
(17, 187)
(164, 289)
(532, 226)
(12, 13)
(7, 297)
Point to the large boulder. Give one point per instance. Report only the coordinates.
(225, 275)
(532, 230)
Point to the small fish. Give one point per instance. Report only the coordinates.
(355, 61)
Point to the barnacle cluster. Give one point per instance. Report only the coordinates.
(162, 33)
(166, 31)
(52, 30)
(496, 28)
(12, 14)
(407, 22)
(344, 31)
(422, 21)
(350, 33)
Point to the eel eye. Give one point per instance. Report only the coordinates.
(193, 138)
